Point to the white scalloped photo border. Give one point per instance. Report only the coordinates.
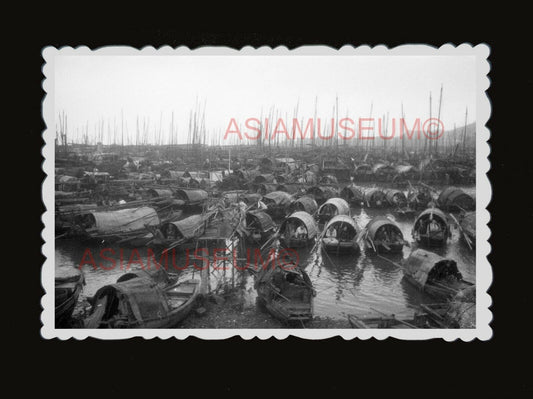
(483, 331)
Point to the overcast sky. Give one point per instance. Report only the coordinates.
(92, 88)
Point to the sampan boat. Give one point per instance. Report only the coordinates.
(259, 227)
(69, 282)
(277, 203)
(140, 300)
(333, 207)
(298, 230)
(286, 292)
(340, 236)
(437, 276)
(453, 199)
(431, 228)
(382, 235)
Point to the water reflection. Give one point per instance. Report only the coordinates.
(344, 283)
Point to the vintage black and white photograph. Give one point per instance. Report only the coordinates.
(218, 191)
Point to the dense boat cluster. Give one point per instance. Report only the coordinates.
(180, 198)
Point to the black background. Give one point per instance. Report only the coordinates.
(500, 365)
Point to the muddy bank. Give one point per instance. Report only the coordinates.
(232, 311)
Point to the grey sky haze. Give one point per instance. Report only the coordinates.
(92, 88)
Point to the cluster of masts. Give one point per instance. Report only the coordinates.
(146, 132)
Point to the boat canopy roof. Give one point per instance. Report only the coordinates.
(378, 222)
(143, 295)
(421, 264)
(352, 192)
(279, 197)
(456, 196)
(432, 213)
(342, 219)
(306, 219)
(124, 220)
(374, 193)
(306, 202)
(190, 227)
(262, 220)
(391, 193)
(160, 192)
(192, 196)
(340, 204)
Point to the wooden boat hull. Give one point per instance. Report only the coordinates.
(295, 242)
(431, 241)
(287, 294)
(290, 313)
(340, 247)
(64, 310)
(180, 299)
(69, 283)
(176, 316)
(389, 249)
(440, 292)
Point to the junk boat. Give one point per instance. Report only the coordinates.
(69, 282)
(431, 228)
(437, 276)
(298, 230)
(286, 292)
(141, 300)
(340, 235)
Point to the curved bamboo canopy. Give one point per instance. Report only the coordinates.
(455, 197)
(305, 219)
(305, 203)
(124, 220)
(339, 204)
(421, 265)
(191, 227)
(339, 220)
